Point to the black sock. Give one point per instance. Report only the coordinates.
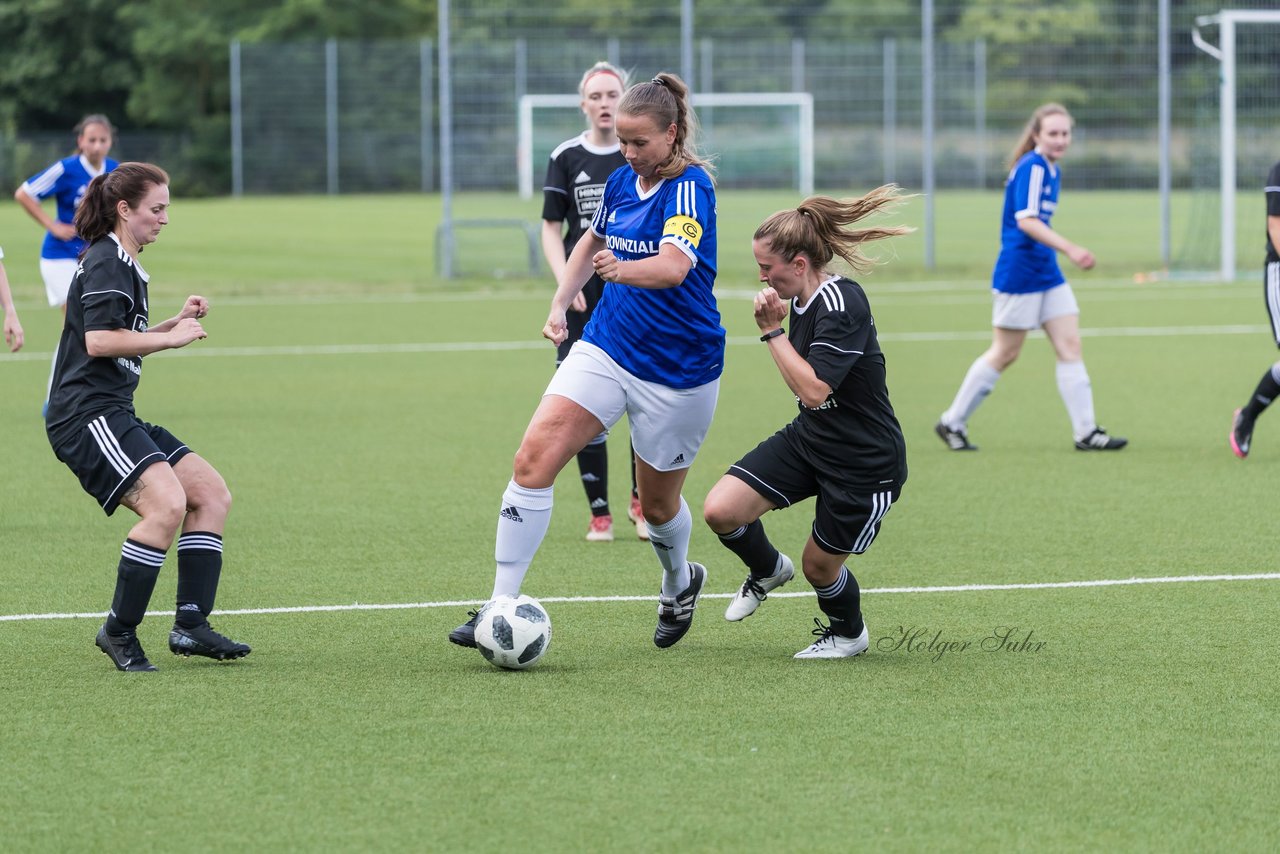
(135, 579)
(1266, 392)
(199, 568)
(635, 490)
(842, 603)
(751, 544)
(593, 465)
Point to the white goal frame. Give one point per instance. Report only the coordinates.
(803, 101)
(1226, 21)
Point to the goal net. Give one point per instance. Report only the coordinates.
(1232, 142)
(757, 140)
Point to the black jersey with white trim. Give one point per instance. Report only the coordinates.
(854, 430)
(576, 176)
(1273, 209)
(108, 291)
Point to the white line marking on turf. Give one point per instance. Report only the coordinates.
(956, 588)
(540, 344)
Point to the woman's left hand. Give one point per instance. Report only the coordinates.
(769, 309)
(606, 265)
(195, 306)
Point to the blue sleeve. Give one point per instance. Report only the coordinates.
(1028, 183)
(687, 215)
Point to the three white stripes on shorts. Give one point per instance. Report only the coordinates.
(110, 446)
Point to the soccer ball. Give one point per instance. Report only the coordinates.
(513, 632)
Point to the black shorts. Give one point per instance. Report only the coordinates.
(112, 450)
(847, 516)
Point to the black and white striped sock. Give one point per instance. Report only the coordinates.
(199, 568)
(842, 603)
(135, 579)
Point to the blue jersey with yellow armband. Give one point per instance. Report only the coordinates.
(670, 336)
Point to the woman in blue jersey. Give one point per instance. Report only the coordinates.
(67, 180)
(1030, 291)
(845, 446)
(576, 175)
(654, 350)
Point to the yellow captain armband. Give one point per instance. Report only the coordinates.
(683, 227)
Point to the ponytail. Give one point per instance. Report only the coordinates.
(816, 229)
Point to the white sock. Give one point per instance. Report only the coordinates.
(522, 523)
(670, 543)
(977, 384)
(1077, 394)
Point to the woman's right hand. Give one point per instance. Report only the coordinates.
(62, 230)
(1081, 257)
(185, 331)
(557, 328)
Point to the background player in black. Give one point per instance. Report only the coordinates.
(120, 459)
(575, 182)
(845, 446)
(1269, 386)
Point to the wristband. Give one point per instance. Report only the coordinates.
(773, 333)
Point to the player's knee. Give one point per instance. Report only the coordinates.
(532, 466)
(166, 512)
(210, 496)
(720, 514)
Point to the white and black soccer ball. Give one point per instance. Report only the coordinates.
(513, 632)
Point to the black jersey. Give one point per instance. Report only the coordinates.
(1273, 209)
(854, 430)
(108, 291)
(575, 184)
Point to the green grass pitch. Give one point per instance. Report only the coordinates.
(365, 413)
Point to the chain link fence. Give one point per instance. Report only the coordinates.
(360, 117)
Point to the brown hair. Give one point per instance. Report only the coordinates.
(128, 182)
(665, 99)
(816, 228)
(1027, 140)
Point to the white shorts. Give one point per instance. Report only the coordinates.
(58, 273)
(1030, 311)
(668, 424)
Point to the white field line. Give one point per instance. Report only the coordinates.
(957, 588)
(200, 351)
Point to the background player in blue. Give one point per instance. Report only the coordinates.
(66, 181)
(1242, 422)
(1030, 291)
(845, 446)
(118, 458)
(576, 175)
(654, 350)
(13, 335)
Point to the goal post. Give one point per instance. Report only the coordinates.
(801, 103)
(1227, 21)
